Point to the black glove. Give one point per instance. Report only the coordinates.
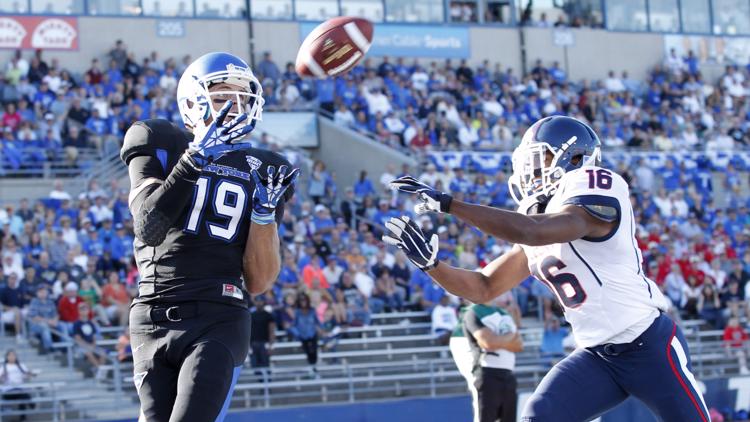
(407, 236)
(432, 200)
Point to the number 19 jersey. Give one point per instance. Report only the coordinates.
(201, 257)
(600, 283)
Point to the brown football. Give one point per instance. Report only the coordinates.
(334, 47)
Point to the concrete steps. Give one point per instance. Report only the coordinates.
(74, 391)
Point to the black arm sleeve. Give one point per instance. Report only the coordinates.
(156, 207)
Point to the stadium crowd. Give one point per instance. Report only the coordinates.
(67, 262)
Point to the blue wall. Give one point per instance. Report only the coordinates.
(726, 393)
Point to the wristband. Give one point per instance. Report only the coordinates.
(263, 219)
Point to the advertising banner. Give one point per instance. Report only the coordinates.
(32, 32)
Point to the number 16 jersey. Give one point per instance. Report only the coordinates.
(600, 283)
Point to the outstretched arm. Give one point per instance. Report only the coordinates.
(499, 276)
(571, 223)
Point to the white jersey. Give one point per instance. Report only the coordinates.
(599, 281)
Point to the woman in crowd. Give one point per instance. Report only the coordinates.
(13, 375)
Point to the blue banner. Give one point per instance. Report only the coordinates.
(492, 162)
(413, 40)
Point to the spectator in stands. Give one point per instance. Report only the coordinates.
(389, 299)
(736, 343)
(118, 55)
(709, 306)
(58, 192)
(307, 329)
(263, 334)
(312, 271)
(332, 271)
(267, 69)
(13, 375)
(68, 306)
(12, 301)
(115, 300)
(552, 347)
(123, 347)
(355, 302)
(84, 333)
(363, 186)
(90, 291)
(43, 318)
(444, 320)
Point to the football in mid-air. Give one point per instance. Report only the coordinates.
(334, 47)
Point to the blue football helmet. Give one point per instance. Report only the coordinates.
(551, 147)
(197, 104)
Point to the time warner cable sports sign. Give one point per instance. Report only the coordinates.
(413, 40)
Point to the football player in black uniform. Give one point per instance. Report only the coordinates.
(205, 207)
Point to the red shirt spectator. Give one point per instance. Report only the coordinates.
(68, 306)
(420, 140)
(313, 270)
(11, 118)
(734, 334)
(94, 73)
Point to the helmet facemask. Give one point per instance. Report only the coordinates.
(538, 168)
(201, 105)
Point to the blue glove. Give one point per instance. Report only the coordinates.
(269, 191)
(431, 199)
(218, 139)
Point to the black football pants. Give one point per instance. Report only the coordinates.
(187, 358)
(496, 394)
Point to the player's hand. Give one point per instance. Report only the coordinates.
(430, 198)
(219, 138)
(269, 190)
(407, 236)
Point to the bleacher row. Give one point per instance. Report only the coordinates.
(394, 357)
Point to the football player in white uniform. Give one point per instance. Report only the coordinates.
(575, 232)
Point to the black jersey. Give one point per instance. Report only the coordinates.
(201, 256)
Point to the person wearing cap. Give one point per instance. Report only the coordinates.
(323, 222)
(67, 307)
(84, 332)
(92, 245)
(42, 316)
(121, 244)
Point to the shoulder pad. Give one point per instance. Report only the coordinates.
(149, 137)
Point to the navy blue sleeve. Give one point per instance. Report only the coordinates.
(605, 208)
